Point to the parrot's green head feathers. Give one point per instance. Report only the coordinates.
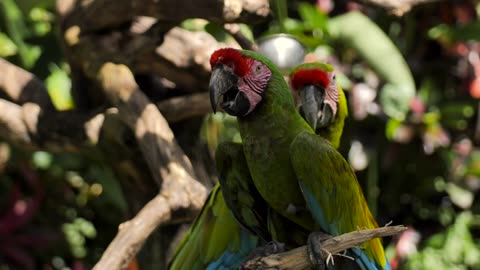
(239, 80)
(320, 100)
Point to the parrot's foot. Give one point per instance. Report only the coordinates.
(272, 247)
(315, 252)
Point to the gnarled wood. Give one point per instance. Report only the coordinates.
(297, 259)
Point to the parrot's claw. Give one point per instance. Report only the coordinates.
(272, 247)
(315, 252)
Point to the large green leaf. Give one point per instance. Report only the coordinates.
(360, 33)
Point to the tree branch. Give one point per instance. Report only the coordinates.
(184, 107)
(29, 119)
(182, 58)
(101, 14)
(397, 7)
(244, 42)
(12, 127)
(180, 193)
(297, 259)
(22, 86)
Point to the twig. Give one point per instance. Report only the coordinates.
(244, 42)
(297, 259)
(180, 193)
(397, 7)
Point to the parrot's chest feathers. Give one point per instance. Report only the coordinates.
(269, 163)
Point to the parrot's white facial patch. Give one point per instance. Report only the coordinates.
(254, 83)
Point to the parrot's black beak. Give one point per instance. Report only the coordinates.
(316, 112)
(223, 89)
(221, 81)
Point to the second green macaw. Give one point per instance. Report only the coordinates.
(216, 240)
(300, 175)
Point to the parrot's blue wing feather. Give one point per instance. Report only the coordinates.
(333, 195)
(215, 240)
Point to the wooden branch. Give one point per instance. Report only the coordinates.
(21, 86)
(33, 127)
(297, 259)
(133, 233)
(180, 193)
(12, 127)
(397, 7)
(244, 42)
(101, 14)
(182, 58)
(184, 107)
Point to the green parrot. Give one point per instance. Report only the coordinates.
(320, 100)
(300, 175)
(246, 204)
(215, 240)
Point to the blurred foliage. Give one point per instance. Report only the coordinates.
(64, 209)
(413, 134)
(455, 248)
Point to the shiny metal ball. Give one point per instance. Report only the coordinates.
(284, 50)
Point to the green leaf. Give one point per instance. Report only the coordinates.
(467, 32)
(312, 16)
(42, 160)
(216, 30)
(59, 88)
(194, 24)
(392, 126)
(18, 32)
(246, 31)
(460, 196)
(7, 47)
(395, 100)
(280, 10)
(42, 21)
(360, 33)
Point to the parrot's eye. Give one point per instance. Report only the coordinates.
(258, 68)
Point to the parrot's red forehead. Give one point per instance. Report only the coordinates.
(314, 76)
(231, 57)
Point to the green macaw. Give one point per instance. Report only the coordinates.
(243, 199)
(215, 240)
(300, 175)
(320, 100)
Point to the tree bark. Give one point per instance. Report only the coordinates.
(108, 45)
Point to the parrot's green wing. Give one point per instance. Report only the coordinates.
(333, 193)
(215, 240)
(239, 191)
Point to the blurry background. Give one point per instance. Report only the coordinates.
(411, 71)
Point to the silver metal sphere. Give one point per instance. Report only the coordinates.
(284, 50)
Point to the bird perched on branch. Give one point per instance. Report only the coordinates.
(300, 175)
